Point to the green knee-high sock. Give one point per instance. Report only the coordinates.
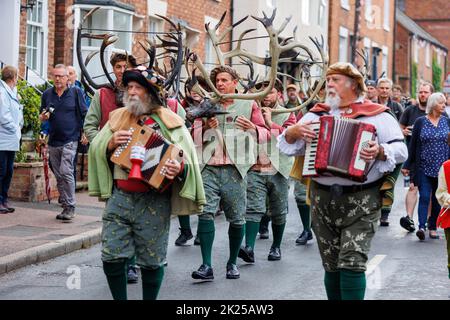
(251, 230)
(278, 230)
(185, 222)
(353, 285)
(305, 216)
(206, 232)
(332, 282)
(131, 261)
(236, 235)
(117, 279)
(151, 282)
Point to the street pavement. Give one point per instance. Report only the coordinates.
(400, 268)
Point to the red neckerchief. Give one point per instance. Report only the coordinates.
(357, 109)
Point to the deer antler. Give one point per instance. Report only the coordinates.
(107, 40)
(251, 80)
(324, 61)
(365, 56)
(275, 51)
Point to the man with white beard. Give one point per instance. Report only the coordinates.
(344, 212)
(137, 218)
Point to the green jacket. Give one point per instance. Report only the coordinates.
(240, 146)
(188, 196)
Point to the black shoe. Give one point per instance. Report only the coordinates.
(274, 254)
(8, 207)
(205, 272)
(63, 213)
(196, 240)
(304, 237)
(384, 223)
(247, 254)
(421, 234)
(264, 234)
(232, 271)
(132, 275)
(407, 223)
(68, 215)
(185, 235)
(3, 209)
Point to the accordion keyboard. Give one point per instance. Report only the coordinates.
(311, 152)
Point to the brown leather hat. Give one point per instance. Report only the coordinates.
(347, 69)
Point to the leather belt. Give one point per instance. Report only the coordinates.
(336, 188)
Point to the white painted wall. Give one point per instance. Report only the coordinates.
(10, 32)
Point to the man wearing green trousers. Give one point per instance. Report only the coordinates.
(345, 213)
(103, 103)
(305, 214)
(136, 219)
(268, 180)
(227, 143)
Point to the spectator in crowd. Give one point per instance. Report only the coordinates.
(447, 107)
(11, 122)
(65, 110)
(407, 120)
(293, 98)
(384, 88)
(428, 150)
(397, 92)
(73, 81)
(372, 93)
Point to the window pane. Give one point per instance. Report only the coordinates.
(122, 22)
(41, 51)
(35, 37)
(98, 20)
(39, 12)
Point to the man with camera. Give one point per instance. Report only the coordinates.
(65, 109)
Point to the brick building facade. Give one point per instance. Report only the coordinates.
(432, 16)
(56, 22)
(415, 52)
(374, 30)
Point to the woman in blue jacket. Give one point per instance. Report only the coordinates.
(11, 122)
(428, 150)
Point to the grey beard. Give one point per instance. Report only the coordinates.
(333, 102)
(137, 107)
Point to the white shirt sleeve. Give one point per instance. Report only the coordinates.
(388, 130)
(298, 147)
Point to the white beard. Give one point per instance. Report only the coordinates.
(333, 101)
(135, 106)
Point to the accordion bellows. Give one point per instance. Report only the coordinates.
(338, 147)
(157, 151)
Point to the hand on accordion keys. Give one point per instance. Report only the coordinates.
(171, 169)
(370, 152)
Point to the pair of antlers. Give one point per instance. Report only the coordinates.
(276, 49)
(172, 43)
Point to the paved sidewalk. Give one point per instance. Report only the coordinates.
(31, 234)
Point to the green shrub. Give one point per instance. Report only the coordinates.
(414, 80)
(437, 76)
(31, 101)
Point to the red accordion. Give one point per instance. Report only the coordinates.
(338, 147)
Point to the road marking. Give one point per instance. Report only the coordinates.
(374, 262)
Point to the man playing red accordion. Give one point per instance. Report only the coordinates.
(345, 213)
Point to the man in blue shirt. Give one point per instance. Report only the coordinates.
(65, 109)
